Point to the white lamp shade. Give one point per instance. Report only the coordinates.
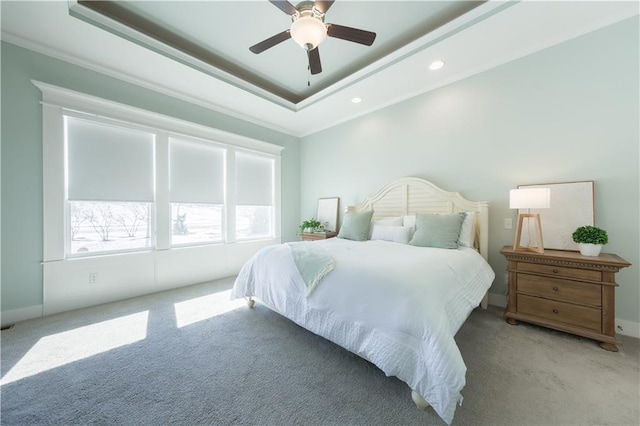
(308, 32)
(530, 198)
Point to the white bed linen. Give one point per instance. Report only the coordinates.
(397, 305)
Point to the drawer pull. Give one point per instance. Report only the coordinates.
(555, 311)
(555, 288)
(555, 271)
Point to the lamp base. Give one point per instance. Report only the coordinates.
(516, 243)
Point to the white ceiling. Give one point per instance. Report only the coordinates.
(271, 89)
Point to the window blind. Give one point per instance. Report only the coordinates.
(196, 172)
(108, 162)
(254, 180)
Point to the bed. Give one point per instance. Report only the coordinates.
(395, 304)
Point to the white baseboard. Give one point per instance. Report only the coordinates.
(628, 328)
(624, 327)
(22, 314)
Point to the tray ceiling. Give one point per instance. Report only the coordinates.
(216, 35)
(198, 51)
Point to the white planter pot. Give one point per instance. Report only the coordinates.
(589, 249)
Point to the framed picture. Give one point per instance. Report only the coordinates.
(571, 207)
(328, 213)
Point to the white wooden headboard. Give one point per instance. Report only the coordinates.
(410, 195)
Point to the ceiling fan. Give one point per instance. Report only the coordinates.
(309, 30)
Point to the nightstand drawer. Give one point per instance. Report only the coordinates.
(579, 316)
(559, 271)
(558, 289)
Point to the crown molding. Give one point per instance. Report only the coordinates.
(127, 78)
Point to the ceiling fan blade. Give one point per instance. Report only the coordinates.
(270, 42)
(284, 6)
(324, 5)
(351, 34)
(314, 61)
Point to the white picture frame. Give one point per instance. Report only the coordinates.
(328, 213)
(572, 206)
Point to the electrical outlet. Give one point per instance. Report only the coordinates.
(93, 277)
(508, 223)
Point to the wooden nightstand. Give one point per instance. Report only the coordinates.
(312, 236)
(565, 291)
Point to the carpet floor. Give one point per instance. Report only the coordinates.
(192, 357)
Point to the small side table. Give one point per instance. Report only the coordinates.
(565, 291)
(312, 236)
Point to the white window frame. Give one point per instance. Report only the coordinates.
(70, 255)
(235, 205)
(67, 212)
(187, 138)
(56, 101)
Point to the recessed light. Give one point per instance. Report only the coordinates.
(436, 65)
(356, 100)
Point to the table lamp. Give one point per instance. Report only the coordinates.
(529, 198)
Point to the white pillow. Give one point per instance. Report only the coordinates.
(398, 234)
(389, 221)
(466, 237)
(385, 221)
(409, 221)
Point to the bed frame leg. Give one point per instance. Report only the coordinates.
(419, 401)
(485, 301)
(250, 302)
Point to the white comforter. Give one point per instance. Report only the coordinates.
(397, 305)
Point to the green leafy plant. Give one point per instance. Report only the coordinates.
(590, 235)
(311, 223)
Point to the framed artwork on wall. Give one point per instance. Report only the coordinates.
(572, 206)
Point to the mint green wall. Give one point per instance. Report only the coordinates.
(568, 113)
(21, 157)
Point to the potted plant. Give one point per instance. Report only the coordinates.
(309, 225)
(590, 239)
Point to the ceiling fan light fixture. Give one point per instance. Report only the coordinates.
(308, 32)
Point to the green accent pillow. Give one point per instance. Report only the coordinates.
(355, 226)
(437, 230)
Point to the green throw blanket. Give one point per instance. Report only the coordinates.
(313, 262)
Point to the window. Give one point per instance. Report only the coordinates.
(254, 196)
(101, 227)
(110, 179)
(196, 182)
(119, 179)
